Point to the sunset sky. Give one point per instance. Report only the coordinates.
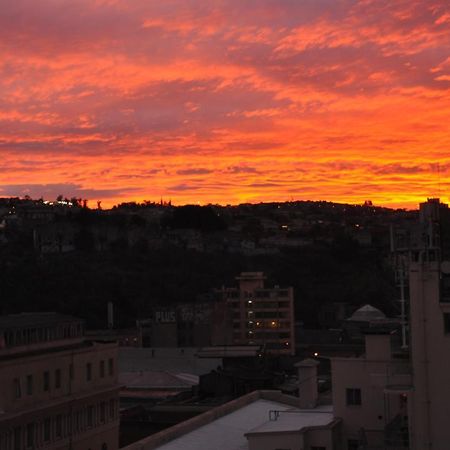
(225, 101)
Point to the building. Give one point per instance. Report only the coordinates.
(370, 394)
(387, 403)
(183, 325)
(259, 315)
(429, 274)
(260, 420)
(60, 391)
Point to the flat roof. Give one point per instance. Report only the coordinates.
(228, 431)
(295, 420)
(35, 319)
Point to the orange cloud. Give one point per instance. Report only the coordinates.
(226, 101)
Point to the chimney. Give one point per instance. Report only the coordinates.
(307, 383)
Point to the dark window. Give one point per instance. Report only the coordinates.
(447, 323)
(46, 381)
(102, 412)
(58, 426)
(88, 371)
(17, 389)
(71, 372)
(17, 438)
(353, 444)
(29, 384)
(104, 447)
(353, 396)
(57, 378)
(30, 435)
(47, 429)
(111, 366)
(315, 447)
(102, 369)
(90, 416)
(111, 409)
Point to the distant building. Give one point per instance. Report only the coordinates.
(183, 325)
(59, 391)
(260, 316)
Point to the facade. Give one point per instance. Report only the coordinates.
(370, 395)
(260, 315)
(429, 274)
(183, 325)
(401, 400)
(60, 391)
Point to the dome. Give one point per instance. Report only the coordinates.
(367, 313)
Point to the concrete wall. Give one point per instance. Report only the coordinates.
(274, 441)
(76, 413)
(429, 405)
(371, 376)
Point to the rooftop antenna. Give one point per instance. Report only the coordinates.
(439, 179)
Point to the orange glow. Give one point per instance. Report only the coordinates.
(244, 102)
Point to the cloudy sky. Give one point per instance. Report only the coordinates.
(225, 101)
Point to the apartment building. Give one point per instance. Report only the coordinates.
(59, 391)
(370, 394)
(260, 315)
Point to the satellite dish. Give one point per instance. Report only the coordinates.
(445, 267)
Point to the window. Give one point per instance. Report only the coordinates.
(315, 447)
(90, 416)
(30, 435)
(111, 409)
(353, 444)
(88, 372)
(102, 412)
(58, 426)
(46, 381)
(29, 384)
(447, 323)
(57, 378)
(17, 389)
(71, 372)
(47, 429)
(353, 396)
(17, 438)
(102, 369)
(111, 366)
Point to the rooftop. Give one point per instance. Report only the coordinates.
(35, 319)
(226, 427)
(367, 313)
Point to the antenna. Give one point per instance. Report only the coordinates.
(439, 179)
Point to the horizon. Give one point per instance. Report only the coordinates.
(169, 202)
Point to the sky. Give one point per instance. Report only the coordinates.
(225, 101)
